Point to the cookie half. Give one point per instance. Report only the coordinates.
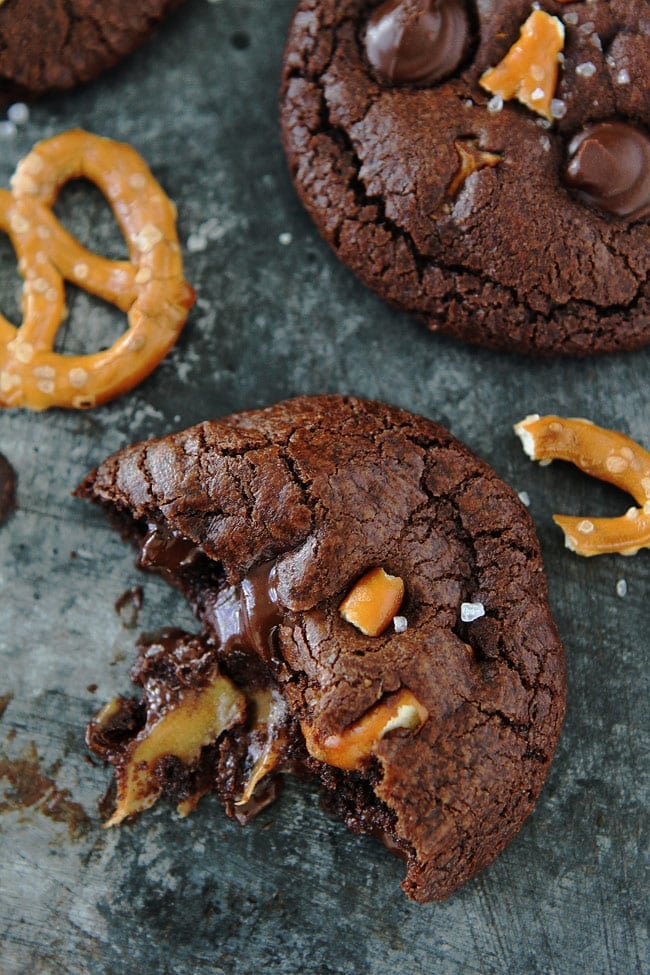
(54, 45)
(516, 226)
(374, 615)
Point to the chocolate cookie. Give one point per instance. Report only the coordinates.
(482, 167)
(374, 615)
(53, 45)
(7, 488)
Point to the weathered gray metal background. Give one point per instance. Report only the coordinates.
(293, 892)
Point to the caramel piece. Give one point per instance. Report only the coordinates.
(529, 70)
(608, 456)
(355, 745)
(198, 719)
(149, 287)
(268, 724)
(471, 158)
(373, 601)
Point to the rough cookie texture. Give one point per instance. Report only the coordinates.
(508, 256)
(311, 493)
(53, 45)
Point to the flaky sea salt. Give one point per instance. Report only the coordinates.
(285, 238)
(571, 18)
(558, 108)
(18, 113)
(196, 243)
(623, 77)
(7, 129)
(524, 497)
(495, 104)
(400, 623)
(471, 611)
(621, 588)
(586, 69)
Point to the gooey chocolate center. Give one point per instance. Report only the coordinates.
(243, 617)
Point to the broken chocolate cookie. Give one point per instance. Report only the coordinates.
(482, 166)
(330, 548)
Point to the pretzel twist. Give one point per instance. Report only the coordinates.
(610, 457)
(149, 287)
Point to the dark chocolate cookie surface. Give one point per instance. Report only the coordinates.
(53, 45)
(491, 221)
(267, 520)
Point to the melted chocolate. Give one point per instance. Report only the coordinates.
(245, 617)
(7, 488)
(417, 42)
(242, 617)
(609, 167)
(128, 606)
(167, 553)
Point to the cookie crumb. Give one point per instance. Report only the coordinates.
(621, 588)
(471, 611)
(400, 624)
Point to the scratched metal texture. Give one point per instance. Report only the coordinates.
(293, 892)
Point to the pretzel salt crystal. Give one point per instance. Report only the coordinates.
(608, 456)
(149, 287)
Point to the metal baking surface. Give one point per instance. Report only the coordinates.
(276, 315)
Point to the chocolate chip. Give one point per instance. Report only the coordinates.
(417, 42)
(609, 167)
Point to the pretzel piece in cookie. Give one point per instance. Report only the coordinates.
(149, 287)
(608, 456)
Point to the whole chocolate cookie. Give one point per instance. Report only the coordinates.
(374, 614)
(482, 167)
(53, 45)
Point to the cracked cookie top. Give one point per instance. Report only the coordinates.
(53, 45)
(390, 588)
(487, 170)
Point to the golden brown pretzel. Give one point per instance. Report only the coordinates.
(149, 287)
(604, 454)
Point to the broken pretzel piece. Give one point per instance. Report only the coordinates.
(149, 287)
(471, 158)
(373, 601)
(529, 70)
(608, 456)
(350, 749)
